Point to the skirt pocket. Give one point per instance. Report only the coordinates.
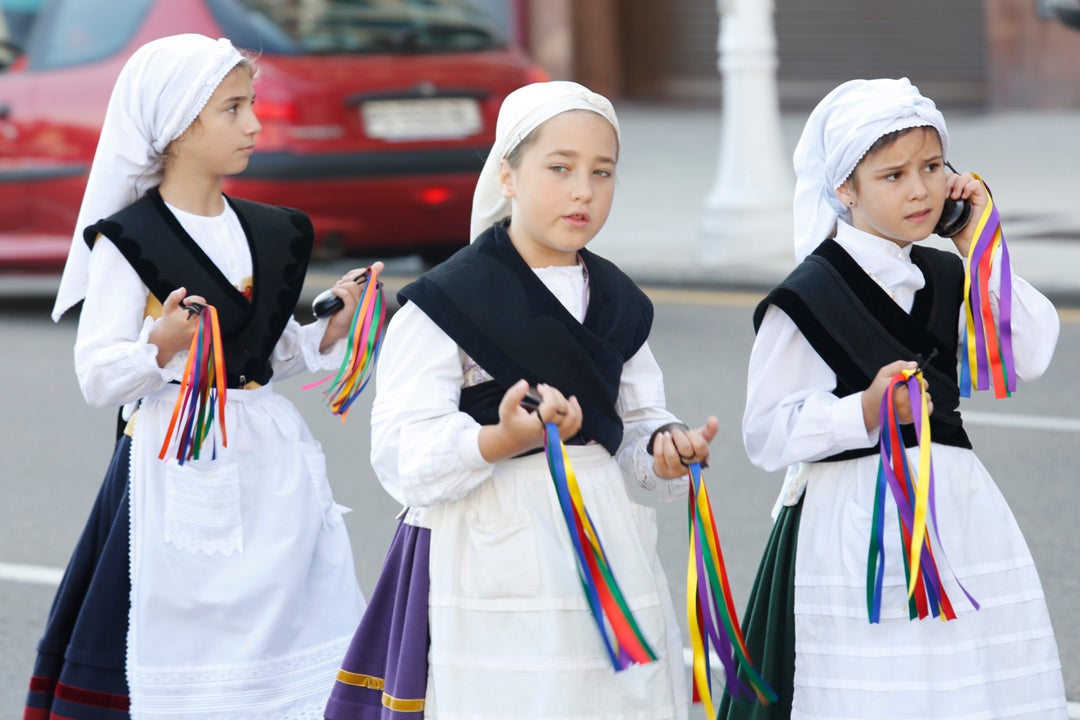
(499, 557)
(332, 513)
(202, 508)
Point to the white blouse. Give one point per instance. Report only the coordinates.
(114, 362)
(791, 414)
(426, 451)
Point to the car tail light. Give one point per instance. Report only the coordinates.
(435, 195)
(276, 112)
(276, 119)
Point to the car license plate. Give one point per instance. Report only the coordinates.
(421, 119)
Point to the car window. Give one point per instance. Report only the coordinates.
(357, 26)
(75, 32)
(18, 17)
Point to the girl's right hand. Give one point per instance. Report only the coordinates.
(519, 430)
(173, 333)
(872, 396)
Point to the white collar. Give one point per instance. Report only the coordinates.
(883, 260)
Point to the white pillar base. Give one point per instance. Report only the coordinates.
(747, 219)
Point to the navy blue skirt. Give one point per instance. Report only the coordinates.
(80, 668)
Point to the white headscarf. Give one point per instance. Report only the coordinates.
(160, 91)
(838, 133)
(523, 111)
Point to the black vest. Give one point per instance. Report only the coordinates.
(491, 303)
(166, 257)
(857, 329)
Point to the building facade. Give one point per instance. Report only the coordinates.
(982, 54)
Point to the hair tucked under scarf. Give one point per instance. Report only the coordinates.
(523, 111)
(160, 91)
(837, 135)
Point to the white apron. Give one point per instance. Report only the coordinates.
(999, 662)
(511, 631)
(249, 547)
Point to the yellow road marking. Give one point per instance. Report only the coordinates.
(674, 296)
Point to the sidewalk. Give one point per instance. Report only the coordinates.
(669, 160)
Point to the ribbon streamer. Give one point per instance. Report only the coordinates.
(986, 349)
(623, 639)
(365, 339)
(711, 610)
(913, 494)
(202, 393)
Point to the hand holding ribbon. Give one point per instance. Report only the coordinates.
(913, 494)
(202, 391)
(364, 341)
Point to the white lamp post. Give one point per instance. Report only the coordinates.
(747, 218)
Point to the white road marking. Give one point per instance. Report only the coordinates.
(1024, 422)
(31, 574)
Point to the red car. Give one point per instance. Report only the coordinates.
(376, 114)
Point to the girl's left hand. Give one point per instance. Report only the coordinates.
(965, 186)
(674, 451)
(349, 291)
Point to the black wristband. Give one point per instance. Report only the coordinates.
(664, 428)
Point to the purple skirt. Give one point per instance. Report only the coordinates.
(384, 673)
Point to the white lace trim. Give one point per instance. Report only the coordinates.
(292, 686)
(332, 651)
(306, 709)
(299, 711)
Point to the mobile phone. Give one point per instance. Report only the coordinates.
(954, 217)
(327, 303)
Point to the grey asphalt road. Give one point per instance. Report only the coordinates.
(54, 450)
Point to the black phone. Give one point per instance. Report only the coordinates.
(327, 303)
(955, 215)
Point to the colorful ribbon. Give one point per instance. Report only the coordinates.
(916, 508)
(623, 639)
(202, 393)
(365, 339)
(711, 610)
(986, 349)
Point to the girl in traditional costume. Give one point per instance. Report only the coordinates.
(480, 611)
(835, 633)
(220, 585)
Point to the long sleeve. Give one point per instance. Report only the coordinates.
(297, 350)
(791, 413)
(114, 362)
(642, 407)
(423, 449)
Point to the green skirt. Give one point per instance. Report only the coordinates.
(769, 624)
